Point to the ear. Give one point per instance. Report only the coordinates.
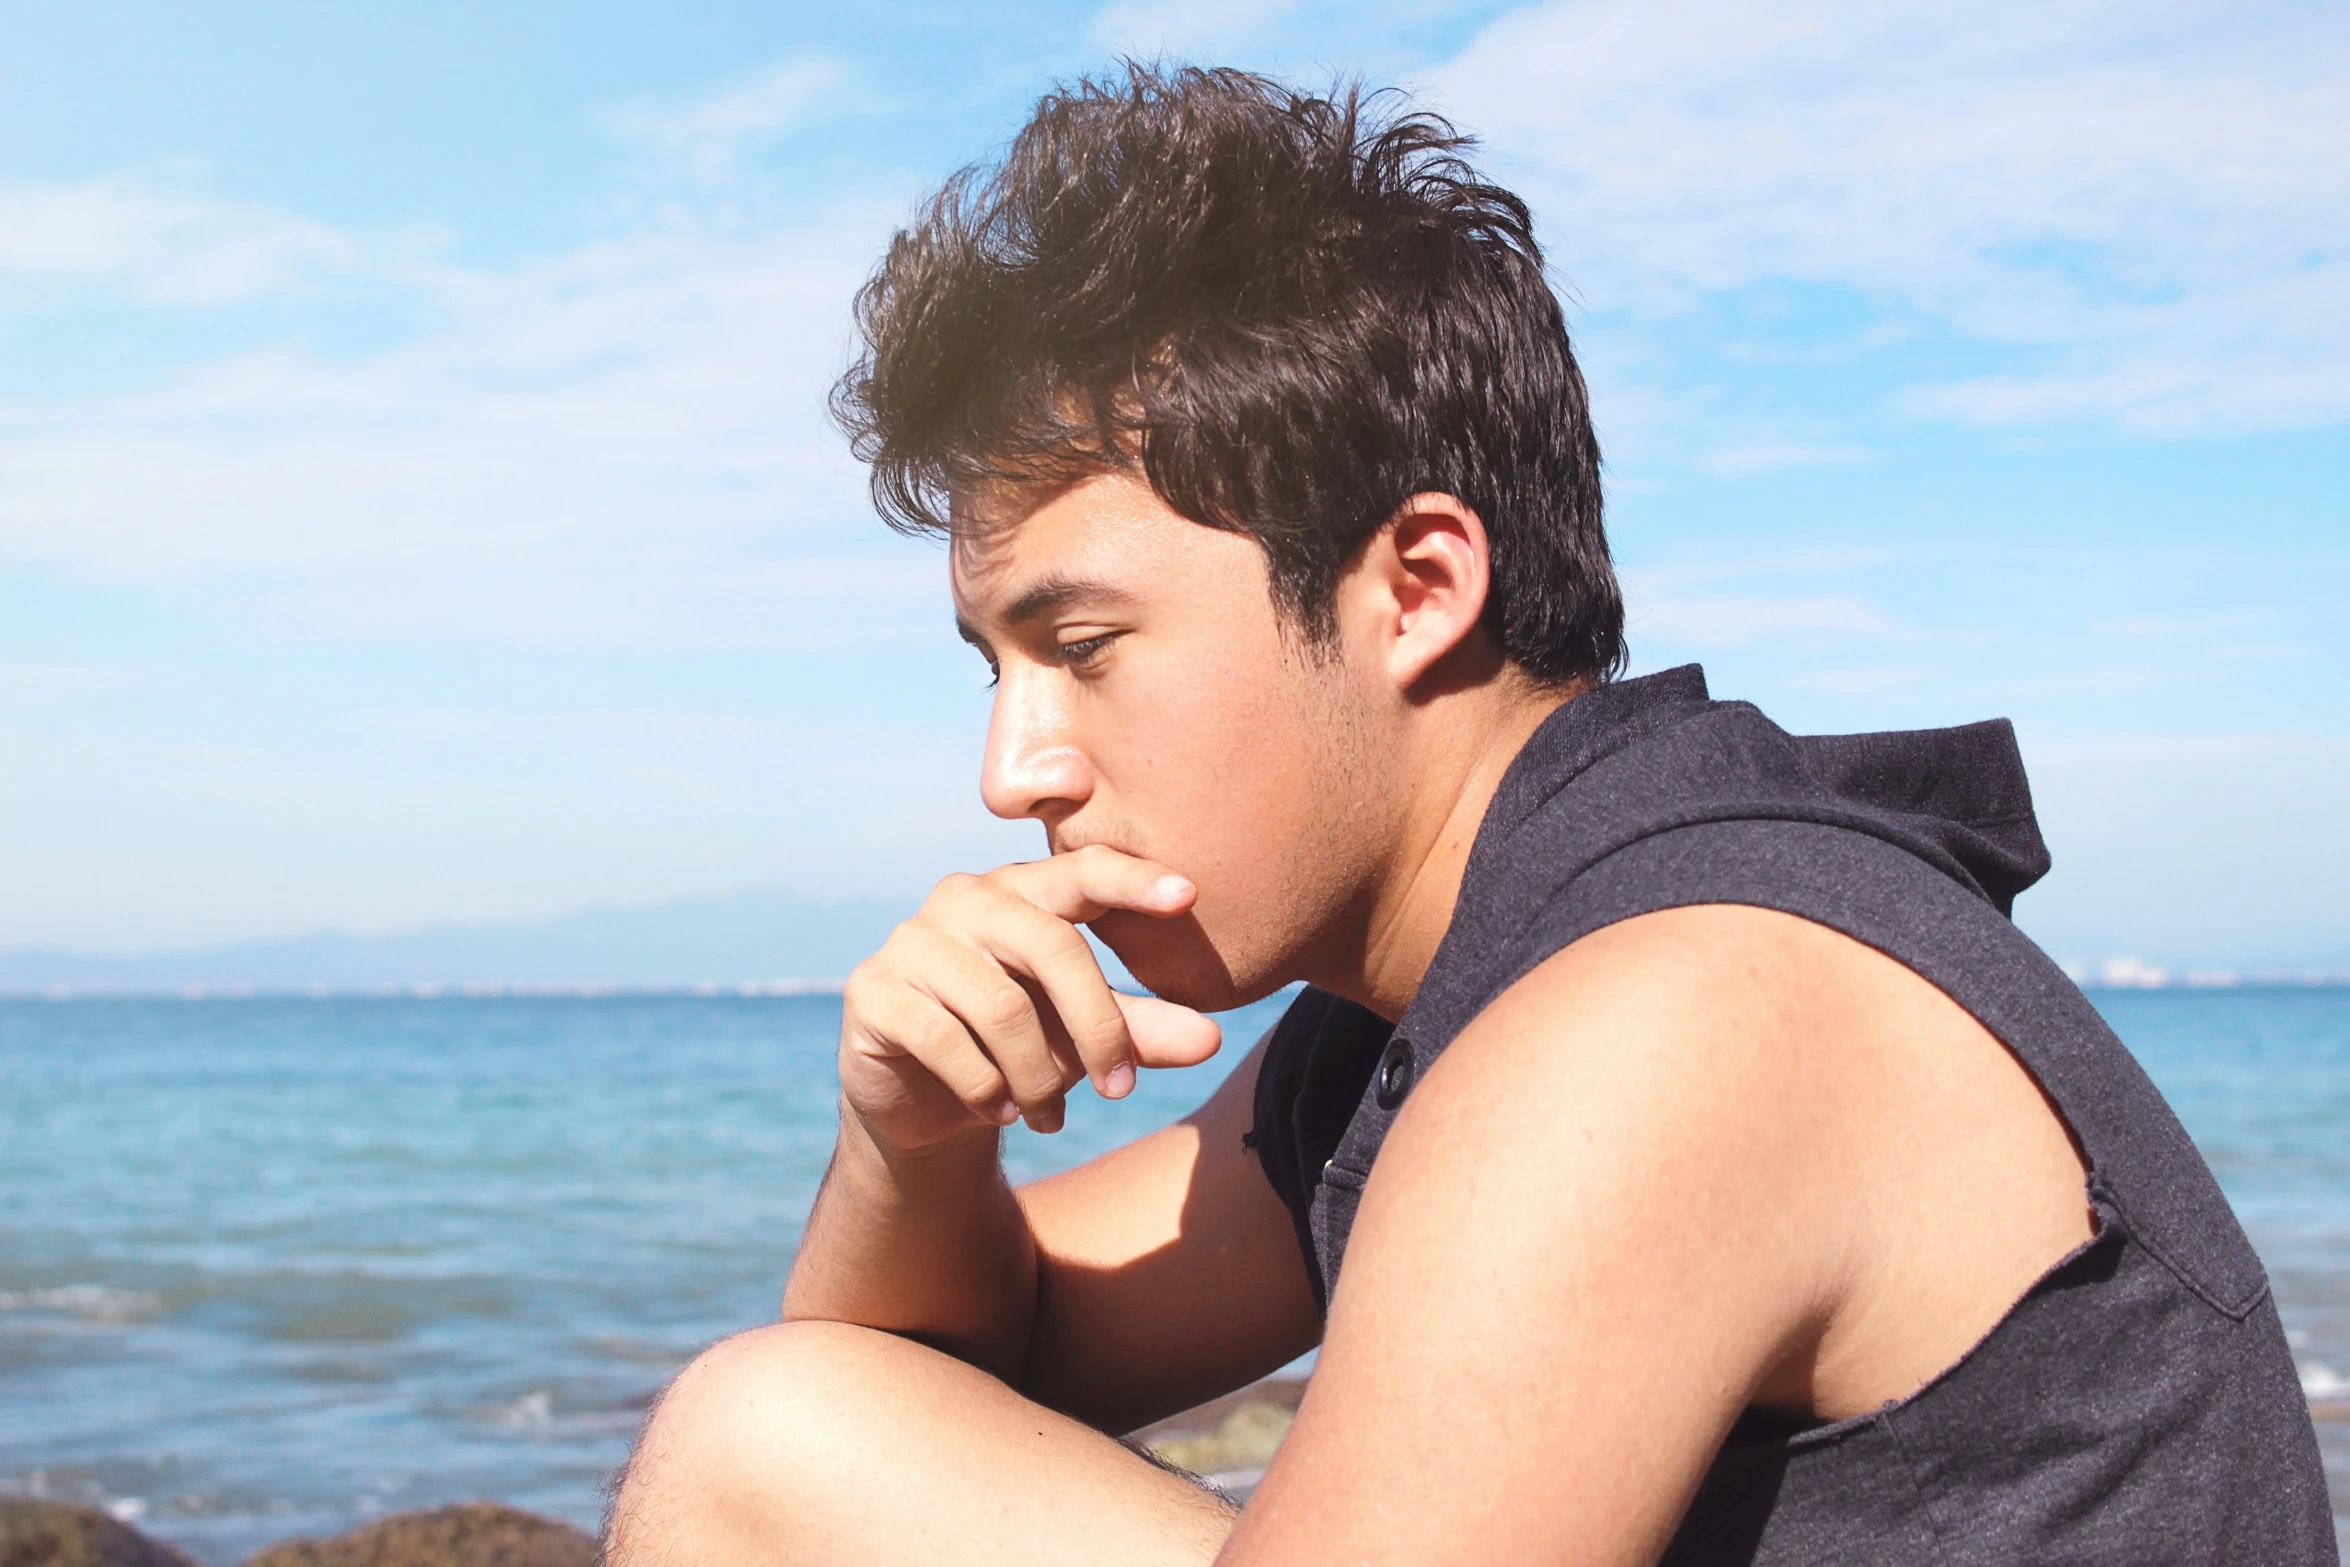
(1421, 583)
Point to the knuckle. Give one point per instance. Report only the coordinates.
(936, 1038)
(1003, 1008)
(973, 897)
(1032, 1081)
(911, 932)
(948, 896)
(860, 991)
(1031, 1092)
(1103, 1037)
(1050, 936)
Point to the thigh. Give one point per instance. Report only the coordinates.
(823, 1445)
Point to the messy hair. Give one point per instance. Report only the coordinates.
(1289, 313)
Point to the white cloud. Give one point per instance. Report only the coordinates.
(619, 447)
(162, 246)
(1726, 620)
(26, 683)
(1876, 680)
(709, 139)
(1148, 28)
(622, 446)
(1729, 597)
(1755, 458)
(2149, 196)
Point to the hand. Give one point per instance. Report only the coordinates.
(987, 1006)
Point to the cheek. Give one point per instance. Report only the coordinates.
(1230, 768)
(1281, 819)
(1198, 722)
(1257, 794)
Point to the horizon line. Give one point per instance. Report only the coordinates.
(706, 990)
(428, 990)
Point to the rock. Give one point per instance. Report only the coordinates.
(1236, 1433)
(1243, 1440)
(69, 1534)
(476, 1534)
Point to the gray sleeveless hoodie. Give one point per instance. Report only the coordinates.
(2137, 1406)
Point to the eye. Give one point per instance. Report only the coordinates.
(1086, 650)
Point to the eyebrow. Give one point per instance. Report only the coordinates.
(1049, 596)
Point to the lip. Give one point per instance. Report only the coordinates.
(1103, 831)
(1058, 844)
(1092, 843)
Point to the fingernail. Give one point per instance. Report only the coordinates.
(1170, 888)
(1120, 1082)
(1007, 1112)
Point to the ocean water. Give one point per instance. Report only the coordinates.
(270, 1267)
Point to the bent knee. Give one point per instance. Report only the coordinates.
(757, 1397)
(780, 1407)
(728, 1445)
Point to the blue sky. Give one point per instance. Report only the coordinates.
(415, 502)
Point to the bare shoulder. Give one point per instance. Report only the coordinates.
(1931, 1178)
(1707, 1159)
(1596, 1226)
(1679, 1041)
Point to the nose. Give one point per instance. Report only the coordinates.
(1034, 768)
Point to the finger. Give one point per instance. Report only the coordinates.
(1072, 1066)
(996, 1010)
(1047, 1118)
(1085, 884)
(1167, 1035)
(898, 1019)
(1079, 1005)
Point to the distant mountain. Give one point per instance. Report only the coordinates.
(748, 937)
(761, 939)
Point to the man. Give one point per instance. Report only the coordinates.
(1715, 1172)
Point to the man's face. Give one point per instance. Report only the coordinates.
(1149, 699)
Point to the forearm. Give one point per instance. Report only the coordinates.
(933, 1246)
(985, 1006)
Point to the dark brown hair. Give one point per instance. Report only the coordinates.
(1290, 313)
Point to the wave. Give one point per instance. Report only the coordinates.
(99, 1303)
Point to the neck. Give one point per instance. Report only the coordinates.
(1465, 753)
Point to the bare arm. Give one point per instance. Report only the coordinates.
(1168, 1271)
(1108, 1291)
(1565, 1278)
(1145, 1281)
(1703, 1159)
(930, 1244)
